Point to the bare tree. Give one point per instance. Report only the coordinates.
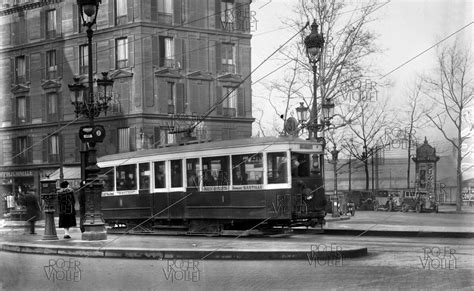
(367, 132)
(414, 114)
(452, 90)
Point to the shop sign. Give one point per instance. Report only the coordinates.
(11, 174)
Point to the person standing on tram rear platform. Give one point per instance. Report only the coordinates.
(67, 212)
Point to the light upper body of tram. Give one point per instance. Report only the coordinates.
(231, 165)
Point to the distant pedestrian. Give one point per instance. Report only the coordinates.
(33, 211)
(67, 212)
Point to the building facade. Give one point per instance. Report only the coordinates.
(174, 63)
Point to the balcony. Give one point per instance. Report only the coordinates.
(228, 68)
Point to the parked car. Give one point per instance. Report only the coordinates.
(419, 201)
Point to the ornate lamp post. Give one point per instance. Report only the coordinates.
(335, 211)
(90, 105)
(314, 43)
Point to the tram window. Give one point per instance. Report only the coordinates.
(144, 174)
(247, 169)
(192, 172)
(315, 167)
(108, 178)
(127, 177)
(160, 175)
(215, 171)
(277, 168)
(176, 173)
(300, 165)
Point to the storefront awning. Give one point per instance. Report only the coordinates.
(70, 173)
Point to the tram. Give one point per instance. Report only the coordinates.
(215, 186)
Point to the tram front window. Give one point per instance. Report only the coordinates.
(277, 168)
(300, 165)
(126, 177)
(144, 174)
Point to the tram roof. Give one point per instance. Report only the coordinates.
(206, 146)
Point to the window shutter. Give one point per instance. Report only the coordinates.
(59, 63)
(112, 53)
(178, 6)
(131, 50)
(111, 12)
(15, 150)
(29, 151)
(42, 24)
(133, 139)
(218, 14)
(59, 21)
(178, 50)
(155, 50)
(2, 161)
(218, 100)
(75, 18)
(218, 57)
(12, 70)
(45, 148)
(130, 10)
(28, 109)
(113, 138)
(154, 11)
(241, 102)
(75, 67)
(43, 68)
(163, 96)
(14, 111)
(161, 51)
(180, 98)
(27, 68)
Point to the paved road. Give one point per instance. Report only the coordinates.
(430, 263)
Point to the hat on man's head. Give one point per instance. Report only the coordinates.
(64, 184)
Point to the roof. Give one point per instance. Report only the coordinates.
(225, 144)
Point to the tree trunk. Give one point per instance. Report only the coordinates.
(459, 178)
(366, 167)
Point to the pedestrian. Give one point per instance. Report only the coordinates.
(33, 211)
(67, 212)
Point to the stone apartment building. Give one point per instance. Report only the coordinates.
(171, 62)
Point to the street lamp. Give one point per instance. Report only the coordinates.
(335, 153)
(314, 44)
(90, 105)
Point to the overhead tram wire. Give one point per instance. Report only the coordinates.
(436, 44)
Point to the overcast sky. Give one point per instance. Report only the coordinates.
(405, 27)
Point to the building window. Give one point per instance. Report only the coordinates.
(121, 53)
(124, 139)
(83, 59)
(21, 109)
(51, 65)
(120, 12)
(51, 23)
(230, 103)
(20, 69)
(167, 52)
(165, 6)
(53, 149)
(52, 106)
(21, 153)
(228, 57)
(227, 14)
(172, 98)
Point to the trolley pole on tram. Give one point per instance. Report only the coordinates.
(90, 105)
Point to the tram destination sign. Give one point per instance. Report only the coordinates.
(92, 133)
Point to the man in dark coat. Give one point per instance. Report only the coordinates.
(67, 212)
(33, 211)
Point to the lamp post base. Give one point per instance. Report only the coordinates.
(94, 232)
(49, 226)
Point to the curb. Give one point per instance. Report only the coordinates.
(356, 232)
(196, 254)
